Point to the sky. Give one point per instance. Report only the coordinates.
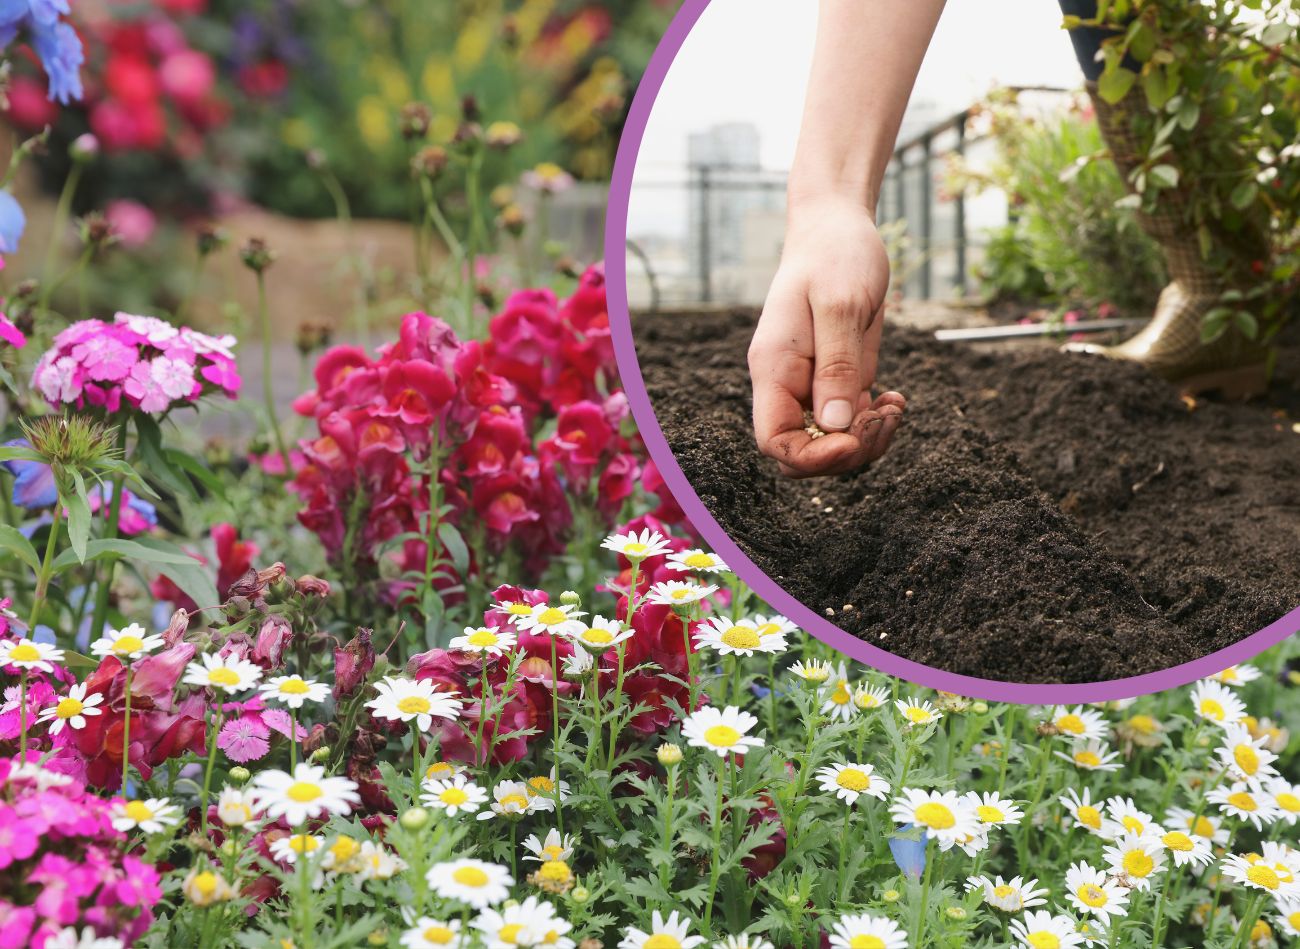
(748, 60)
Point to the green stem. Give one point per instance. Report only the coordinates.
(715, 856)
(615, 725)
(555, 721)
(268, 391)
(207, 773)
(664, 869)
(483, 710)
(102, 591)
(191, 287)
(62, 212)
(598, 717)
(918, 939)
(293, 738)
(47, 569)
(126, 730)
(418, 763)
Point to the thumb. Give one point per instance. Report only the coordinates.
(837, 363)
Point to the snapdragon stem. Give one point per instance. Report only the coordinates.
(47, 569)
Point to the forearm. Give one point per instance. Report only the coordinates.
(867, 56)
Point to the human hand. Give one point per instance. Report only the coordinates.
(817, 344)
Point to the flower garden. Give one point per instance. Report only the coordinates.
(432, 659)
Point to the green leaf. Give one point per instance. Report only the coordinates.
(12, 540)
(1214, 324)
(7, 380)
(1189, 113)
(1158, 84)
(1165, 176)
(1115, 84)
(1141, 41)
(1243, 196)
(192, 578)
(455, 545)
(1247, 323)
(162, 553)
(196, 469)
(155, 460)
(19, 453)
(78, 517)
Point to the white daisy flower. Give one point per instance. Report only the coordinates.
(1245, 756)
(1041, 930)
(454, 795)
(837, 695)
(485, 640)
(520, 924)
(343, 855)
(413, 700)
(943, 815)
(971, 844)
(740, 638)
(720, 731)
(294, 690)
(151, 815)
(1010, 896)
(578, 664)
(1124, 817)
(1284, 860)
(510, 799)
(514, 609)
(1091, 756)
(1085, 812)
(471, 881)
(848, 782)
(71, 710)
(542, 790)
(236, 807)
(696, 561)
(857, 931)
(225, 673)
(1184, 848)
(815, 671)
(377, 863)
(289, 849)
(1092, 892)
(130, 642)
(552, 620)
(553, 847)
(635, 546)
(774, 625)
(1205, 826)
(203, 886)
(1136, 858)
(1258, 874)
(29, 656)
(304, 795)
(441, 770)
(430, 933)
(867, 697)
(670, 933)
(1288, 915)
(600, 636)
(1237, 675)
(992, 808)
(1078, 723)
(1286, 798)
(69, 939)
(917, 712)
(1216, 703)
(1242, 803)
(679, 593)
(743, 941)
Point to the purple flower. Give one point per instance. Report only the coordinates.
(244, 739)
(61, 53)
(12, 222)
(33, 481)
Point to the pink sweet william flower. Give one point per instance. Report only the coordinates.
(244, 739)
(11, 334)
(18, 839)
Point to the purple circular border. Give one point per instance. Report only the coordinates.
(769, 590)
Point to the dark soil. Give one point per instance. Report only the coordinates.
(1040, 517)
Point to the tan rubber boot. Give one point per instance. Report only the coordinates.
(1170, 345)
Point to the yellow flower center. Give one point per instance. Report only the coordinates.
(541, 785)
(682, 593)
(1263, 876)
(551, 616)
(635, 549)
(437, 769)
(138, 811)
(1132, 824)
(482, 638)
(439, 935)
(1088, 816)
(661, 941)
(699, 561)
(294, 686)
(853, 779)
(598, 636)
(1242, 801)
(841, 694)
(1072, 724)
(1212, 709)
(125, 645)
(302, 843)
(453, 796)
(1229, 674)
(1247, 758)
(414, 705)
(25, 652)
(223, 675)
(989, 814)
(865, 700)
(509, 933)
(1138, 864)
(1042, 939)
(722, 736)
(1177, 840)
(1087, 759)
(1288, 802)
(205, 883)
(68, 707)
(518, 800)
(555, 871)
(935, 816)
(344, 849)
(552, 853)
(1201, 827)
(470, 876)
(1003, 891)
(866, 942)
(1091, 894)
(519, 609)
(741, 637)
(303, 791)
(1144, 724)
(917, 715)
(1294, 920)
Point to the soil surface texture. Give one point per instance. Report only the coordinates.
(1041, 517)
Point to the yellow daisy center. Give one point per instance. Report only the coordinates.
(1261, 875)
(437, 768)
(414, 705)
(453, 796)
(866, 942)
(1091, 894)
(1087, 759)
(205, 883)
(127, 644)
(1294, 920)
(68, 707)
(1072, 724)
(682, 593)
(1132, 824)
(1144, 724)
(439, 935)
(1088, 816)
(303, 844)
(598, 636)
(482, 638)
(303, 791)
(1177, 840)
(917, 715)
(768, 629)
(741, 637)
(722, 736)
(541, 785)
(635, 549)
(865, 700)
(25, 652)
(935, 816)
(1003, 891)
(1137, 863)
(555, 871)
(699, 561)
(1247, 758)
(661, 941)
(509, 933)
(1242, 801)
(1212, 709)
(294, 686)
(223, 675)
(552, 852)
(138, 811)
(1201, 827)
(518, 800)
(841, 694)
(989, 814)
(853, 779)
(344, 849)
(551, 616)
(519, 609)
(1042, 939)
(470, 876)
(1288, 802)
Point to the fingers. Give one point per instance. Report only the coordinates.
(839, 337)
(780, 368)
(800, 455)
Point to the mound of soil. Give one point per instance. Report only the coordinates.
(1040, 517)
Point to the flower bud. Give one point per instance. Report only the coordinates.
(503, 135)
(430, 162)
(321, 754)
(580, 894)
(955, 912)
(84, 147)
(570, 598)
(414, 121)
(979, 708)
(378, 937)
(414, 819)
(229, 847)
(669, 754)
(512, 220)
(257, 255)
(239, 775)
(891, 896)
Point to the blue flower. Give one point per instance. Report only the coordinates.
(59, 48)
(12, 223)
(33, 481)
(12, 12)
(49, 11)
(908, 851)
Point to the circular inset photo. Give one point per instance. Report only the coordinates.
(970, 341)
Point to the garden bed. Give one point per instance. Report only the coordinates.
(1040, 517)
